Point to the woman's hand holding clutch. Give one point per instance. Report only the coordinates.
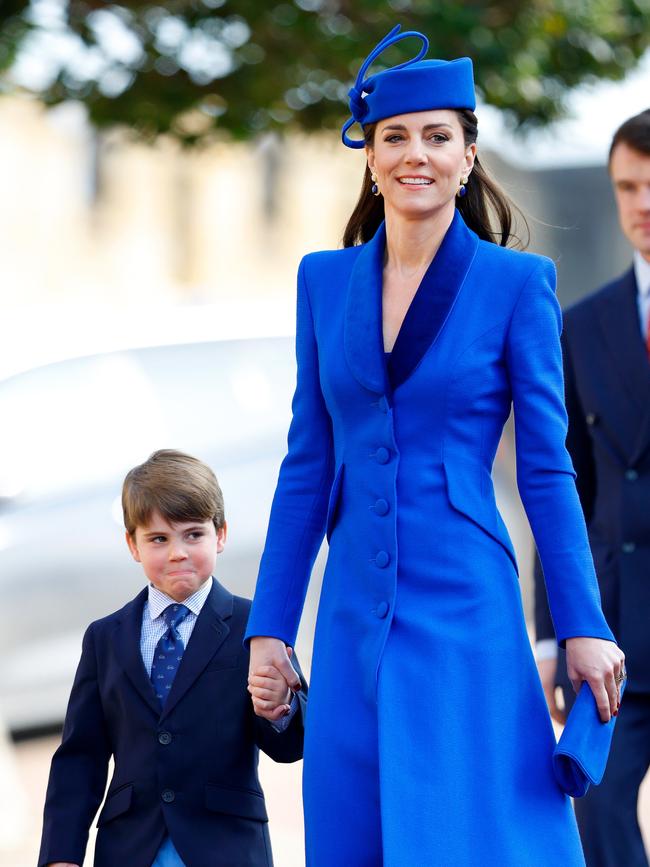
(602, 664)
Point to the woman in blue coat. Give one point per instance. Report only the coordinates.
(428, 740)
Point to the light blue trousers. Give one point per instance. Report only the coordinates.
(167, 855)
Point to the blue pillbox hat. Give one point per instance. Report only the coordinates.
(417, 85)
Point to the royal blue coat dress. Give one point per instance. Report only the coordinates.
(428, 742)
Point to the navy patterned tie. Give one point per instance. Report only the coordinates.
(168, 653)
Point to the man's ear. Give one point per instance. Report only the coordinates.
(133, 548)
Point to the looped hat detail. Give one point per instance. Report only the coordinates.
(415, 85)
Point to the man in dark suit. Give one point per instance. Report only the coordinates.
(162, 686)
(606, 346)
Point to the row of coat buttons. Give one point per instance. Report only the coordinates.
(382, 507)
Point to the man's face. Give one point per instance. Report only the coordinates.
(629, 170)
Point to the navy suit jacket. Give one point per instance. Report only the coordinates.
(607, 381)
(190, 771)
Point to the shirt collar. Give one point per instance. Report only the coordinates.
(642, 274)
(158, 600)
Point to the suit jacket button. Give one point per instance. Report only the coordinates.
(631, 475)
(382, 559)
(381, 610)
(164, 738)
(382, 455)
(591, 418)
(167, 795)
(381, 507)
(628, 547)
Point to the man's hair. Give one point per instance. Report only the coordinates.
(181, 488)
(635, 133)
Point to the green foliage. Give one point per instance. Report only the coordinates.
(194, 68)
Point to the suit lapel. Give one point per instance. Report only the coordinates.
(127, 647)
(618, 316)
(209, 633)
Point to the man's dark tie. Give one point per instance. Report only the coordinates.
(168, 653)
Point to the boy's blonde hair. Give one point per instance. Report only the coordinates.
(180, 487)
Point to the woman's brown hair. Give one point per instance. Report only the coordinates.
(485, 208)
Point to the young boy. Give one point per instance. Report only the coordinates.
(162, 687)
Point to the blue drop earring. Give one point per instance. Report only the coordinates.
(374, 189)
(462, 190)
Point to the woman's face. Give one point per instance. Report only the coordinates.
(419, 159)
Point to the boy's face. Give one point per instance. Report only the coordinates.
(177, 558)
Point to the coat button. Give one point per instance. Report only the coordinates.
(381, 610)
(591, 418)
(382, 559)
(381, 507)
(167, 795)
(628, 547)
(382, 455)
(164, 738)
(631, 475)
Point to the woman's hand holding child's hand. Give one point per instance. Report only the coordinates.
(272, 678)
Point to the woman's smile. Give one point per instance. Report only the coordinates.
(415, 181)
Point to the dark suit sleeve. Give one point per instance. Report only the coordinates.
(579, 446)
(285, 746)
(578, 441)
(79, 767)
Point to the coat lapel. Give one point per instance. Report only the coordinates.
(363, 338)
(209, 633)
(425, 318)
(127, 646)
(618, 315)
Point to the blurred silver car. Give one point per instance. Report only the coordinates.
(69, 432)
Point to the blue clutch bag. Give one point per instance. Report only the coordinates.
(581, 755)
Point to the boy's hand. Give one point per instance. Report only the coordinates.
(271, 653)
(269, 690)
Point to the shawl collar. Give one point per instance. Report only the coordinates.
(425, 318)
(618, 315)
